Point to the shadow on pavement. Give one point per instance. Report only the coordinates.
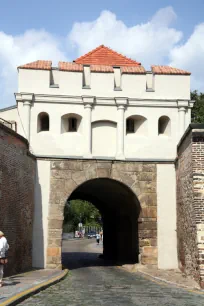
(10, 283)
(77, 260)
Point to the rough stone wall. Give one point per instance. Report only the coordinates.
(198, 194)
(66, 175)
(17, 173)
(190, 200)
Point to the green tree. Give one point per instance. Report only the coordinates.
(198, 108)
(77, 211)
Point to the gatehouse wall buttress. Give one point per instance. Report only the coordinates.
(142, 178)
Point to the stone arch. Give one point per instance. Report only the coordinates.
(68, 175)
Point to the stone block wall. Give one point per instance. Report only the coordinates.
(190, 202)
(67, 175)
(17, 174)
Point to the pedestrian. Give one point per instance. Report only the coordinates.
(3, 260)
(101, 234)
(98, 238)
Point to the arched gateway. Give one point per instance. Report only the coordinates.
(118, 120)
(125, 194)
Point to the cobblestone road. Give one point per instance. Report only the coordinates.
(92, 283)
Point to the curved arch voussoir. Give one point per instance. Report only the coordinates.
(67, 175)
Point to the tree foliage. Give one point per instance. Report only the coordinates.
(198, 108)
(77, 211)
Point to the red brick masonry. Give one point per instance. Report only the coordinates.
(190, 202)
(17, 177)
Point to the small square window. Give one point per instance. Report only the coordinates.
(130, 126)
(72, 124)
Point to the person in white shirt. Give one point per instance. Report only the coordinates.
(98, 238)
(3, 248)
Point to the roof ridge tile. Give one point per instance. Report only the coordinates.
(104, 59)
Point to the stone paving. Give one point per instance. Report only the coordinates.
(93, 282)
(16, 284)
(169, 276)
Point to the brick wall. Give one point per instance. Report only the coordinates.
(17, 173)
(190, 202)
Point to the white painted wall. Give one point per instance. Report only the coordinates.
(152, 145)
(166, 83)
(104, 134)
(102, 84)
(68, 98)
(13, 115)
(40, 226)
(166, 217)
(9, 113)
(54, 142)
(147, 145)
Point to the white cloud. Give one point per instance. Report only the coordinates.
(164, 17)
(155, 41)
(148, 43)
(190, 56)
(18, 50)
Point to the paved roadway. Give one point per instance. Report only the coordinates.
(93, 283)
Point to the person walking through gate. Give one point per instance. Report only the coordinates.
(3, 260)
(98, 238)
(101, 234)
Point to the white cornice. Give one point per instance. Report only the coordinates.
(24, 96)
(121, 101)
(65, 99)
(88, 99)
(185, 103)
(152, 160)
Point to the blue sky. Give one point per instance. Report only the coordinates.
(151, 31)
(16, 16)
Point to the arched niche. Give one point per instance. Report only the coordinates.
(136, 125)
(43, 122)
(71, 123)
(164, 126)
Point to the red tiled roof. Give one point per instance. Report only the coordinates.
(66, 66)
(38, 65)
(101, 68)
(168, 70)
(105, 56)
(133, 70)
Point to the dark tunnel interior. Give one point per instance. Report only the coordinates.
(120, 210)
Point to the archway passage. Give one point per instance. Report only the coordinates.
(120, 210)
(125, 193)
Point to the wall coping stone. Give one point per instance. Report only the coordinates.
(192, 126)
(7, 108)
(106, 159)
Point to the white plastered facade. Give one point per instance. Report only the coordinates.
(40, 226)
(166, 217)
(103, 134)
